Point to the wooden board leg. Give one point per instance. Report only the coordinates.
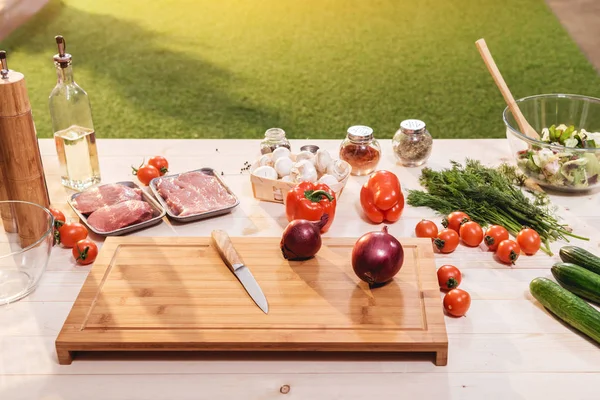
(65, 357)
(441, 358)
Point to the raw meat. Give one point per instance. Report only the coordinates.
(105, 195)
(194, 193)
(120, 215)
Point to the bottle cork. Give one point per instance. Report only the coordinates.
(23, 173)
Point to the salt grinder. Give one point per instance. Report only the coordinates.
(20, 160)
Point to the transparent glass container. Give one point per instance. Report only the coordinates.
(73, 127)
(22, 267)
(556, 167)
(274, 138)
(361, 150)
(412, 143)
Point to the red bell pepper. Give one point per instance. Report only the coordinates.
(310, 201)
(381, 197)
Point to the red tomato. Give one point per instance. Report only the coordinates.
(85, 252)
(59, 220)
(454, 220)
(471, 233)
(508, 251)
(59, 217)
(160, 163)
(146, 173)
(446, 241)
(71, 233)
(494, 235)
(449, 277)
(426, 229)
(457, 302)
(529, 241)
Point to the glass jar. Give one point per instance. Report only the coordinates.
(274, 138)
(360, 150)
(412, 143)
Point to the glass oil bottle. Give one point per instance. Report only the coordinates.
(72, 124)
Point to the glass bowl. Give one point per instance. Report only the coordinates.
(23, 256)
(553, 166)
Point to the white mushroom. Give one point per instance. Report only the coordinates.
(281, 152)
(265, 172)
(287, 178)
(283, 166)
(322, 160)
(266, 159)
(304, 171)
(305, 155)
(339, 169)
(329, 180)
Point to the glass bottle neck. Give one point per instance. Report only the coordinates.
(64, 75)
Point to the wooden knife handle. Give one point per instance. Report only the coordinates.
(226, 250)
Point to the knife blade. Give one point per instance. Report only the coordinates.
(234, 262)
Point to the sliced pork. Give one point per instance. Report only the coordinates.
(105, 195)
(194, 193)
(120, 215)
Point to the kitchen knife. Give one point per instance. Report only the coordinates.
(233, 260)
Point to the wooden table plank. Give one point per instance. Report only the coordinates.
(350, 386)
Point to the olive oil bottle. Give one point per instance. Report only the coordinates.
(73, 126)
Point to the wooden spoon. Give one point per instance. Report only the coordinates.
(508, 97)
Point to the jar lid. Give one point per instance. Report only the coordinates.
(412, 126)
(276, 133)
(360, 132)
(310, 147)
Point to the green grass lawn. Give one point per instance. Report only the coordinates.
(233, 68)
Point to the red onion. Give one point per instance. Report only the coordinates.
(377, 257)
(301, 239)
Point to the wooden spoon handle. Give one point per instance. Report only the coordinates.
(508, 97)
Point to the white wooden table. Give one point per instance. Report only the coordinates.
(506, 348)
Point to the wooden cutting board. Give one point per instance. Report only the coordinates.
(171, 294)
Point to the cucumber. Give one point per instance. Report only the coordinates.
(578, 280)
(566, 306)
(581, 257)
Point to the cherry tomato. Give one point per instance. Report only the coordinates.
(59, 217)
(457, 302)
(446, 241)
(508, 251)
(494, 235)
(449, 277)
(59, 220)
(471, 233)
(146, 173)
(85, 252)
(529, 240)
(426, 229)
(454, 220)
(71, 233)
(160, 163)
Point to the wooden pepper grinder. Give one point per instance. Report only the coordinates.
(23, 173)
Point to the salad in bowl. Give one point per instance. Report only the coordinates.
(566, 157)
(562, 167)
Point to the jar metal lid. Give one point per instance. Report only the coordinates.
(360, 132)
(310, 147)
(412, 126)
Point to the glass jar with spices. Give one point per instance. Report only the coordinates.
(274, 138)
(412, 143)
(360, 150)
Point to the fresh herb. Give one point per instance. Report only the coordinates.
(491, 196)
